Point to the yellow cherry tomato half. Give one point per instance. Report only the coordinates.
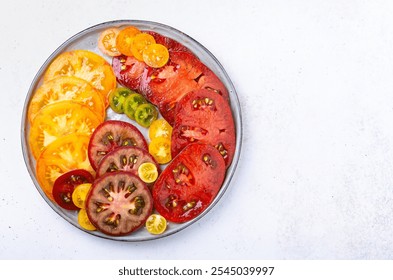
(79, 195)
(140, 42)
(148, 172)
(160, 149)
(84, 221)
(124, 39)
(156, 55)
(107, 42)
(160, 128)
(156, 224)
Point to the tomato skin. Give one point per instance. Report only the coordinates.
(189, 183)
(204, 116)
(65, 185)
(112, 199)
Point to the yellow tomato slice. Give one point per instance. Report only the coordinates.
(79, 195)
(84, 222)
(156, 55)
(124, 39)
(140, 42)
(85, 65)
(156, 224)
(160, 128)
(148, 172)
(160, 149)
(66, 88)
(59, 119)
(65, 154)
(107, 42)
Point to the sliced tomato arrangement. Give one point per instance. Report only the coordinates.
(203, 116)
(64, 186)
(125, 159)
(111, 135)
(189, 183)
(118, 203)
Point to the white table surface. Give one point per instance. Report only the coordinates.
(315, 82)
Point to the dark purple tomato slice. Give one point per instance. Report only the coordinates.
(125, 159)
(64, 187)
(118, 203)
(189, 183)
(111, 135)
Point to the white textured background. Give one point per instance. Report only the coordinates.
(315, 82)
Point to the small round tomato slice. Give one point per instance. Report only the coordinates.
(84, 222)
(148, 172)
(118, 203)
(160, 128)
(66, 88)
(160, 149)
(64, 154)
(125, 38)
(85, 65)
(64, 187)
(189, 183)
(156, 55)
(125, 159)
(132, 103)
(140, 43)
(117, 98)
(60, 119)
(111, 135)
(156, 224)
(107, 42)
(80, 193)
(145, 114)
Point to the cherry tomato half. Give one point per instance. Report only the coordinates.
(156, 55)
(140, 42)
(132, 103)
(64, 186)
(79, 195)
(124, 39)
(160, 149)
(160, 128)
(156, 224)
(146, 114)
(117, 98)
(107, 42)
(84, 221)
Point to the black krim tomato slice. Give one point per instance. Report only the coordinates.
(204, 116)
(189, 184)
(125, 159)
(65, 184)
(111, 135)
(118, 203)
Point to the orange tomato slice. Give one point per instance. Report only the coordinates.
(59, 119)
(140, 43)
(124, 39)
(107, 42)
(156, 55)
(64, 154)
(66, 88)
(85, 65)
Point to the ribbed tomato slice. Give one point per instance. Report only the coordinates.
(205, 117)
(189, 183)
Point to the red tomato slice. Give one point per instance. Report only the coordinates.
(204, 116)
(125, 159)
(189, 183)
(111, 135)
(118, 203)
(65, 185)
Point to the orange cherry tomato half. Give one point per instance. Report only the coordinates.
(124, 39)
(107, 42)
(156, 55)
(140, 43)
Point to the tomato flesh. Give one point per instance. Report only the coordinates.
(111, 135)
(65, 185)
(132, 103)
(118, 203)
(203, 116)
(189, 183)
(117, 98)
(145, 114)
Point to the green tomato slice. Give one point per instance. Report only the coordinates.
(145, 114)
(132, 103)
(117, 98)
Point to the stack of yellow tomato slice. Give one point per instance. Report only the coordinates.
(65, 110)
